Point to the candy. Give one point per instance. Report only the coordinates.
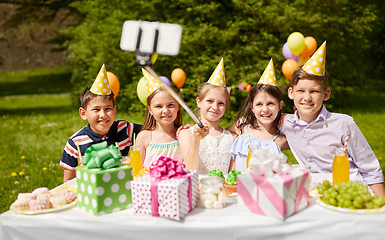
(212, 193)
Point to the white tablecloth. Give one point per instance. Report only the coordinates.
(231, 222)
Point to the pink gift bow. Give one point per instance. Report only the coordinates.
(163, 169)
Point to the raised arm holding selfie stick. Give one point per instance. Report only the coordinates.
(148, 38)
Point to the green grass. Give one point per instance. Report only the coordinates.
(37, 117)
(35, 126)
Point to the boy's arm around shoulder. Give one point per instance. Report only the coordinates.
(282, 143)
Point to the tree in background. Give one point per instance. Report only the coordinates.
(30, 36)
(247, 33)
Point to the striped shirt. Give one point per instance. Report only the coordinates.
(121, 132)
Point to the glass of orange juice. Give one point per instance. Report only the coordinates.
(136, 161)
(341, 166)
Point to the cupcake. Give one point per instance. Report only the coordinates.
(215, 173)
(231, 182)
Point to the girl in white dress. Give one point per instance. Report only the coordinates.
(208, 148)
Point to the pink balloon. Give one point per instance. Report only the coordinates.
(165, 80)
(287, 53)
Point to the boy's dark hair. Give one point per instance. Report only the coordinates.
(300, 74)
(87, 96)
(246, 116)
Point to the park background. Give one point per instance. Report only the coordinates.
(51, 50)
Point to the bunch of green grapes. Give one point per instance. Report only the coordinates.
(349, 195)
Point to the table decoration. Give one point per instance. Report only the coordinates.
(167, 191)
(271, 187)
(103, 185)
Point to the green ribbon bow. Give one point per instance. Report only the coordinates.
(102, 156)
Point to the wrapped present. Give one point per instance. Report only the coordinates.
(280, 195)
(272, 187)
(167, 191)
(102, 156)
(103, 185)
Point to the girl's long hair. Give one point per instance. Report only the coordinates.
(246, 116)
(149, 120)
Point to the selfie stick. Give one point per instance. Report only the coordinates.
(144, 60)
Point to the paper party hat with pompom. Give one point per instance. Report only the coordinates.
(218, 76)
(268, 76)
(151, 82)
(101, 85)
(316, 64)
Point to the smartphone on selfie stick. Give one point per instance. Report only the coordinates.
(146, 38)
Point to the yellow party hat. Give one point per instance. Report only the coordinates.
(268, 76)
(218, 76)
(101, 85)
(316, 64)
(151, 82)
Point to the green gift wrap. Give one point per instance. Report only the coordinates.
(104, 191)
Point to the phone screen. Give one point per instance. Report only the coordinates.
(150, 37)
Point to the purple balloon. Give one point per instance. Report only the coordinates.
(287, 53)
(165, 80)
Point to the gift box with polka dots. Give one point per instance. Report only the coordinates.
(173, 195)
(104, 191)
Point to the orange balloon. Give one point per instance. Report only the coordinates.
(248, 88)
(310, 47)
(114, 83)
(178, 77)
(288, 68)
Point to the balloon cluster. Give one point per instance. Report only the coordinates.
(297, 51)
(178, 77)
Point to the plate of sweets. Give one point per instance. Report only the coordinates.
(42, 200)
(348, 197)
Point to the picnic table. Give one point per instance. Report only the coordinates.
(232, 222)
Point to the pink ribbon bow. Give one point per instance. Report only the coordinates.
(166, 168)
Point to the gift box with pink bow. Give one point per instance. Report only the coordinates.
(272, 187)
(167, 191)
